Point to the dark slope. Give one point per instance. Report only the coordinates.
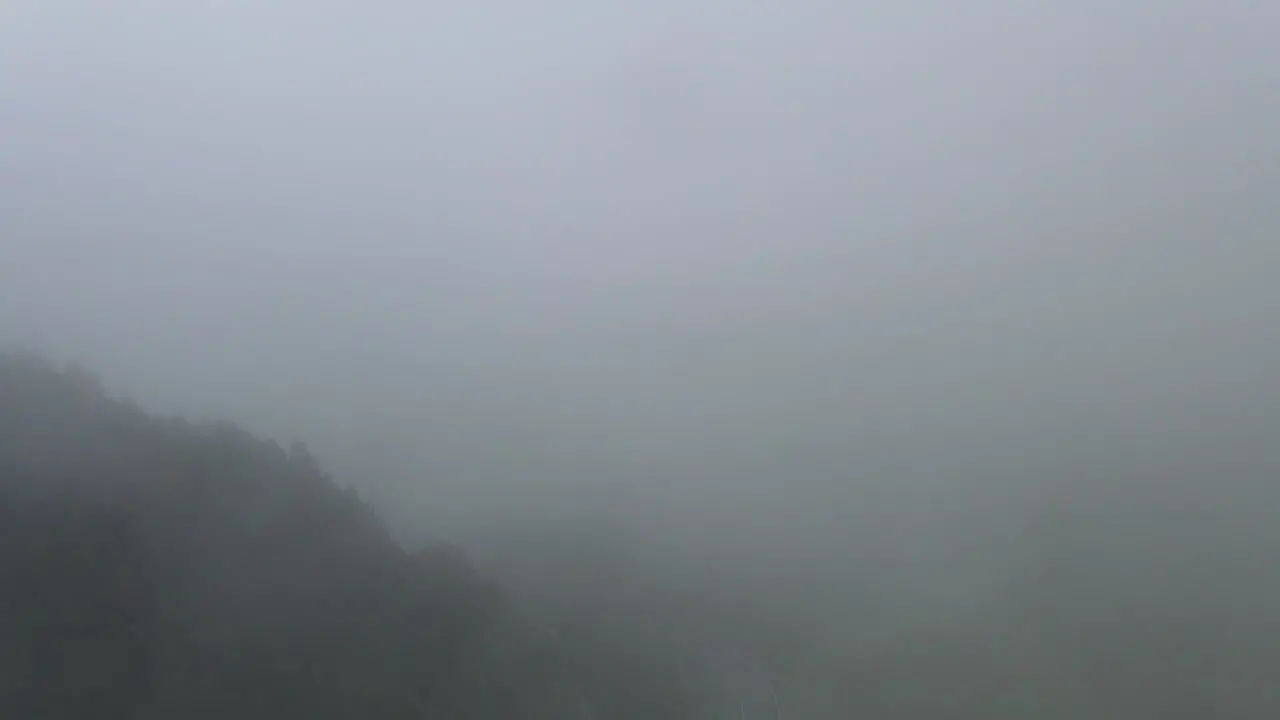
(152, 568)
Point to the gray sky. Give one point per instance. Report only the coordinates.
(760, 249)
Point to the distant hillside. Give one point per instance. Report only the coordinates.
(155, 569)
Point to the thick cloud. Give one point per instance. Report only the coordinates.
(769, 251)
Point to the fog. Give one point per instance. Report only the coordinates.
(798, 283)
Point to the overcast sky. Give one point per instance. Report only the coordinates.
(762, 247)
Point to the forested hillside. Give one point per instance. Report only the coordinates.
(155, 568)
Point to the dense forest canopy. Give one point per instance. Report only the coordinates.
(155, 568)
